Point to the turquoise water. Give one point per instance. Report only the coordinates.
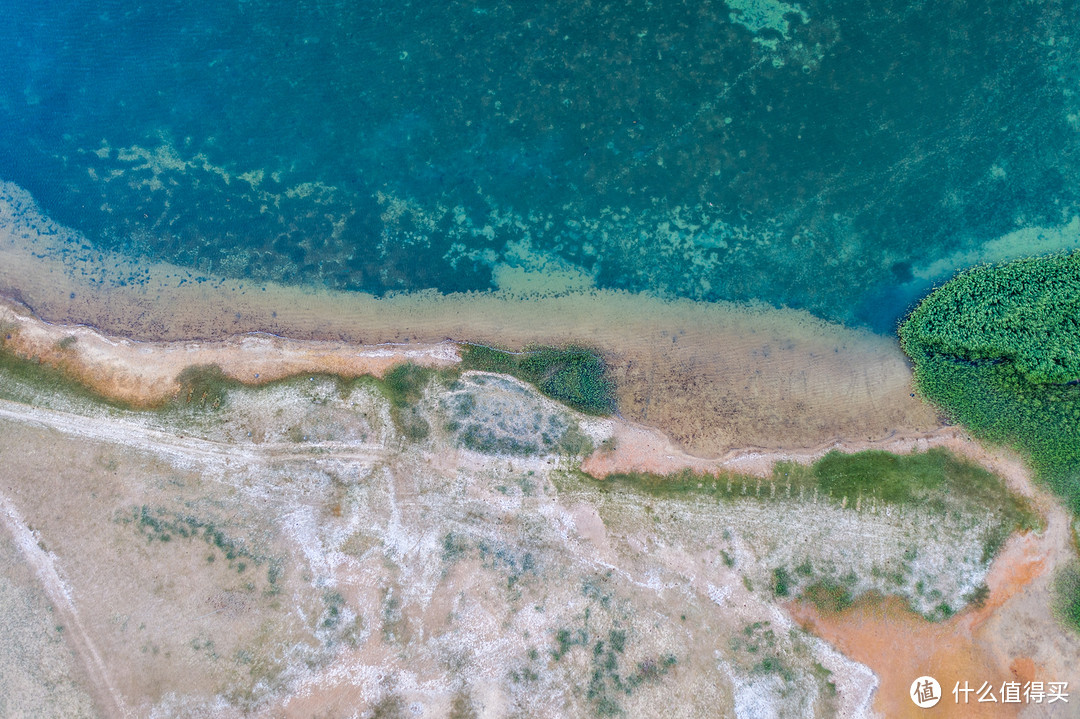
(833, 156)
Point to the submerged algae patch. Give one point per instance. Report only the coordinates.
(758, 15)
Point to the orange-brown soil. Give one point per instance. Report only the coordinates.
(978, 645)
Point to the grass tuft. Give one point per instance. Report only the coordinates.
(828, 596)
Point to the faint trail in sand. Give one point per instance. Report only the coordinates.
(119, 432)
(44, 567)
(116, 431)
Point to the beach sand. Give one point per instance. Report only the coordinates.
(705, 386)
(711, 376)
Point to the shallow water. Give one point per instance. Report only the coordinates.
(712, 376)
(835, 157)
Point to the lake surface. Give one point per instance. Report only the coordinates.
(838, 157)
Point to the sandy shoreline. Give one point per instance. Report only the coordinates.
(712, 376)
(143, 374)
(981, 642)
(708, 387)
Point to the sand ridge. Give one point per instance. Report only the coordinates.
(144, 374)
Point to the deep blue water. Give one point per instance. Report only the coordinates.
(818, 159)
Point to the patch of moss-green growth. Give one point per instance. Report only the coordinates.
(575, 376)
(828, 596)
(405, 383)
(22, 377)
(404, 387)
(487, 441)
(823, 675)
(998, 349)
(574, 442)
(1067, 596)
(677, 484)
(781, 582)
(936, 479)
(892, 478)
(205, 387)
(488, 359)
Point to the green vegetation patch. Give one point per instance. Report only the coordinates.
(36, 376)
(163, 526)
(937, 479)
(575, 376)
(496, 416)
(998, 349)
(757, 651)
(781, 582)
(609, 677)
(829, 596)
(1067, 596)
(204, 387)
(404, 386)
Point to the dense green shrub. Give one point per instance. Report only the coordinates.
(575, 376)
(998, 349)
(404, 386)
(1067, 595)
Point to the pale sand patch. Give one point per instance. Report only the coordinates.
(144, 373)
(712, 376)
